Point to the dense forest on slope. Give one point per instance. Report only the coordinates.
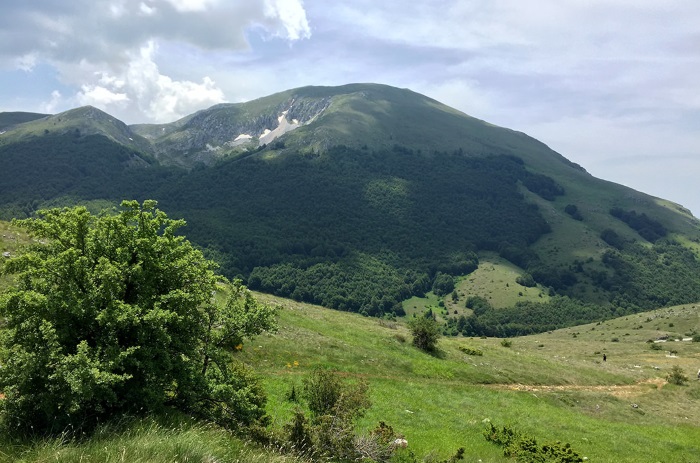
(357, 230)
(380, 193)
(72, 169)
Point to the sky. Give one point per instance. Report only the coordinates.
(613, 85)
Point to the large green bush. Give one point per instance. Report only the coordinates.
(116, 314)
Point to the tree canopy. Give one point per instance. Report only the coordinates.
(115, 313)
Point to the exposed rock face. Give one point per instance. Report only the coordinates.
(226, 126)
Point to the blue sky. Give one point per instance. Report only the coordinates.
(610, 84)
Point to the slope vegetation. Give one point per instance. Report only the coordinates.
(359, 197)
(553, 386)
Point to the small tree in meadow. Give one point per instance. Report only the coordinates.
(426, 332)
(677, 376)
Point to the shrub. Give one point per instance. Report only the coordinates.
(471, 351)
(335, 405)
(443, 284)
(299, 433)
(573, 211)
(506, 342)
(655, 346)
(113, 314)
(526, 280)
(426, 333)
(677, 376)
(526, 449)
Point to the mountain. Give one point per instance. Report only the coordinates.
(80, 121)
(10, 119)
(362, 196)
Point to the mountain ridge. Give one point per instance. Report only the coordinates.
(360, 196)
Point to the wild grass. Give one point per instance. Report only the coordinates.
(11, 240)
(552, 386)
(150, 440)
(494, 280)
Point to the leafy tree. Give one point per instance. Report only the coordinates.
(116, 314)
(426, 332)
(573, 211)
(526, 280)
(443, 284)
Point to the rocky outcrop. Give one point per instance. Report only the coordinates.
(207, 133)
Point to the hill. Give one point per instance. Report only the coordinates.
(361, 197)
(554, 386)
(10, 119)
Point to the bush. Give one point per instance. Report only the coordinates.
(471, 351)
(443, 284)
(526, 280)
(113, 314)
(426, 333)
(526, 449)
(334, 405)
(506, 342)
(677, 376)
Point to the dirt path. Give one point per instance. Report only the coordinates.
(624, 390)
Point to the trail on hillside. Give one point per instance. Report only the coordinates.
(621, 390)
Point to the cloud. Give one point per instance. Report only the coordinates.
(141, 89)
(50, 107)
(108, 51)
(292, 16)
(97, 95)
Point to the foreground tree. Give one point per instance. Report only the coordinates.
(116, 314)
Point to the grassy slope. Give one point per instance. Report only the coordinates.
(86, 120)
(9, 119)
(11, 239)
(553, 386)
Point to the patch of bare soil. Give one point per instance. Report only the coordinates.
(621, 390)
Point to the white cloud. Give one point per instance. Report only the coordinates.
(99, 96)
(142, 89)
(291, 15)
(188, 6)
(108, 53)
(50, 107)
(26, 63)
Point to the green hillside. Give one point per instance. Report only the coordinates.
(77, 122)
(359, 197)
(553, 386)
(10, 119)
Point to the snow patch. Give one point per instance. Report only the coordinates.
(283, 126)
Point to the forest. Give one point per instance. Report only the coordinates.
(358, 229)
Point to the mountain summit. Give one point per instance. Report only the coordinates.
(362, 196)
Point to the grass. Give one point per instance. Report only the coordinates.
(553, 386)
(11, 239)
(149, 440)
(494, 280)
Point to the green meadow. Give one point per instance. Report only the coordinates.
(553, 386)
